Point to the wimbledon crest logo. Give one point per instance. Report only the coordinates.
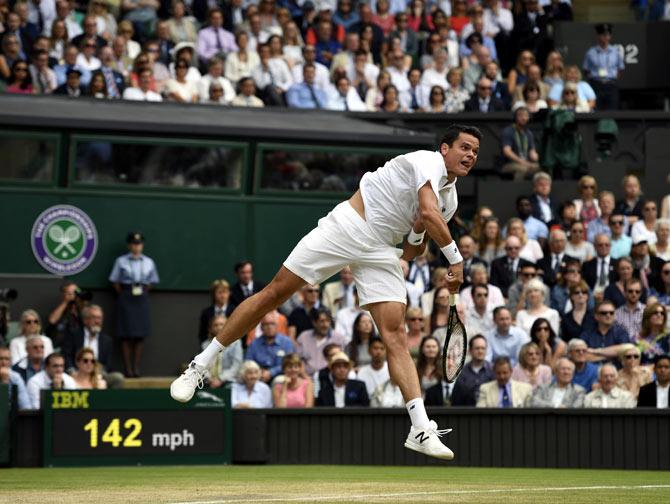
(64, 240)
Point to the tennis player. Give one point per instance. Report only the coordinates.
(410, 195)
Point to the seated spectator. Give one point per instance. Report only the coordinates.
(429, 364)
(10, 51)
(505, 340)
(30, 325)
(503, 392)
(12, 378)
(293, 44)
(321, 74)
(436, 73)
(516, 296)
(519, 74)
(346, 318)
(600, 271)
(440, 314)
(632, 376)
(415, 330)
(535, 295)
(570, 274)
(19, 82)
(89, 336)
(530, 99)
(219, 291)
(455, 94)
(326, 46)
(292, 389)
(655, 394)
(475, 69)
(531, 249)
(87, 373)
(143, 91)
(72, 86)
(662, 289)
(553, 69)
(33, 363)
(387, 395)
(616, 292)
(311, 343)
(300, 319)
(86, 58)
(180, 89)
(226, 366)
(551, 264)
(551, 347)
(601, 225)
(250, 391)
(498, 87)
(345, 97)
(97, 88)
(439, 394)
(479, 319)
(533, 81)
(605, 340)
(490, 245)
(375, 95)
(53, 377)
(577, 246)
(240, 63)
(436, 100)
(585, 93)
(466, 389)
(214, 40)
(391, 100)
(272, 77)
(567, 214)
(661, 248)
(482, 99)
(246, 96)
(518, 147)
(215, 75)
(653, 338)
(269, 349)
(535, 228)
(632, 202)
(586, 372)
(44, 79)
(621, 242)
(629, 315)
(586, 205)
(363, 332)
(570, 100)
(580, 318)
(646, 266)
(377, 372)
(305, 94)
(504, 269)
(438, 279)
(340, 390)
(182, 27)
(339, 293)
(562, 393)
(323, 375)
(530, 368)
(414, 291)
(645, 228)
(608, 395)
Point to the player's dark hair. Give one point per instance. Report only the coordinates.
(455, 130)
(475, 338)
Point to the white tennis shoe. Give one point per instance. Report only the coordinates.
(183, 388)
(427, 441)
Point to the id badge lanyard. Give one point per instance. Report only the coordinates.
(137, 278)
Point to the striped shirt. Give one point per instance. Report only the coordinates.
(631, 320)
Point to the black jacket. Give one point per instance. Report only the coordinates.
(647, 397)
(355, 394)
(500, 276)
(206, 316)
(237, 295)
(74, 341)
(495, 104)
(467, 280)
(537, 211)
(435, 396)
(545, 264)
(590, 271)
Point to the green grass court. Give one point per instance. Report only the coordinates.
(276, 484)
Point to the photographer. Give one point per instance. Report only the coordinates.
(66, 317)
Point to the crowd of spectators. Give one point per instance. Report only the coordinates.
(392, 56)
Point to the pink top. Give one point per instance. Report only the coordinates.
(295, 398)
(542, 376)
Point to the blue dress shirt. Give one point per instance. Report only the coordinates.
(603, 64)
(270, 356)
(300, 96)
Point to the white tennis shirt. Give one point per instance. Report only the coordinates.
(391, 194)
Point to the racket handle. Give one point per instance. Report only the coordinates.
(452, 299)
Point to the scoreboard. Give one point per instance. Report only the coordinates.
(128, 427)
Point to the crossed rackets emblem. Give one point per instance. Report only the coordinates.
(64, 238)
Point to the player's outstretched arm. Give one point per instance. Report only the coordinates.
(437, 229)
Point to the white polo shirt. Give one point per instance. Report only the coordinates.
(391, 193)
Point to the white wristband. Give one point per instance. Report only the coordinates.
(452, 254)
(415, 238)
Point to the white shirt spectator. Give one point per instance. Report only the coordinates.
(494, 22)
(373, 377)
(531, 251)
(206, 82)
(351, 102)
(133, 93)
(496, 298)
(260, 396)
(640, 232)
(478, 324)
(236, 69)
(48, 10)
(339, 395)
(277, 74)
(399, 79)
(193, 75)
(524, 320)
(187, 91)
(41, 381)
(321, 79)
(17, 347)
(91, 341)
(662, 395)
(91, 64)
(344, 321)
(431, 77)
(387, 395)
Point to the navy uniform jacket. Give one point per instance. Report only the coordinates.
(647, 397)
(355, 394)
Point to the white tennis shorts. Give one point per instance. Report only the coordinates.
(344, 238)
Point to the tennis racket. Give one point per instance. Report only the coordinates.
(453, 353)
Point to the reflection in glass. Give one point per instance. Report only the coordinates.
(318, 170)
(100, 162)
(27, 159)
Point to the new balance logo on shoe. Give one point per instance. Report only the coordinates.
(421, 437)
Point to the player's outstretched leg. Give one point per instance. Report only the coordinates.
(424, 436)
(246, 316)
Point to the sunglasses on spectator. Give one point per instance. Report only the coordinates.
(580, 292)
(616, 223)
(38, 347)
(88, 361)
(512, 248)
(609, 312)
(21, 69)
(572, 271)
(588, 187)
(481, 294)
(31, 321)
(528, 275)
(543, 328)
(570, 92)
(484, 88)
(311, 290)
(659, 312)
(634, 291)
(631, 356)
(414, 319)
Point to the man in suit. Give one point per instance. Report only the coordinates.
(89, 336)
(90, 31)
(551, 264)
(504, 269)
(608, 395)
(72, 86)
(246, 285)
(340, 391)
(600, 271)
(468, 247)
(114, 80)
(543, 206)
(339, 294)
(219, 290)
(562, 393)
(503, 392)
(475, 372)
(482, 100)
(655, 394)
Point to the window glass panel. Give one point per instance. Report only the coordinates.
(284, 169)
(158, 165)
(31, 159)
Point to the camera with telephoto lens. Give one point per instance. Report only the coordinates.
(8, 295)
(83, 294)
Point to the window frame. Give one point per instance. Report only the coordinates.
(57, 138)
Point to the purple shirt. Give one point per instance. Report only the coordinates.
(208, 45)
(310, 349)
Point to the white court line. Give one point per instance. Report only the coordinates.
(326, 498)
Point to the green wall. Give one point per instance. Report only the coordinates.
(193, 239)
